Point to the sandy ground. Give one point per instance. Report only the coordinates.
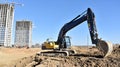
(10, 56)
(85, 57)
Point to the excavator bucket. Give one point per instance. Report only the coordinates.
(105, 47)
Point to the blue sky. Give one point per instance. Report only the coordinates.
(48, 17)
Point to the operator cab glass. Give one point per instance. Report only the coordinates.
(67, 42)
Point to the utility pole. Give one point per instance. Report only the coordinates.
(87, 40)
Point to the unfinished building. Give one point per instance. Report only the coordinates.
(6, 22)
(23, 33)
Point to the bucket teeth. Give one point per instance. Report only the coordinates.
(105, 47)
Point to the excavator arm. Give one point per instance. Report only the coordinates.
(89, 16)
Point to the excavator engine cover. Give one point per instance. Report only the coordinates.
(105, 47)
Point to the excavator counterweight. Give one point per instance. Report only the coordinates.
(63, 42)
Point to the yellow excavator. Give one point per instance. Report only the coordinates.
(60, 47)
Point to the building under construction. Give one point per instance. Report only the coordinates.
(6, 22)
(23, 33)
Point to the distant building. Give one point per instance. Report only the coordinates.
(23, 33)
(6, 22)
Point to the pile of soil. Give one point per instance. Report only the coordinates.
(89, 58)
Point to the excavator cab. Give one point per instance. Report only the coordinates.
(66, 42)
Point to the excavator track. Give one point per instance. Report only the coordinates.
(105, 47)
(57, 53)
(54, 53)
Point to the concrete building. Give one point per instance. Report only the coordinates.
(23, 33)
(6, 22)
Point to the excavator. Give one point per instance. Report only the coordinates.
(61, 46)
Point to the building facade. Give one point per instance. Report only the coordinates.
(6, 23)
(23, 33)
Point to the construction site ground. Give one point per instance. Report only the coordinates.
(85, 57)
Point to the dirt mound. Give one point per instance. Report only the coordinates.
(12, 56)
(85, 59)
(116, 52)
(24, 62)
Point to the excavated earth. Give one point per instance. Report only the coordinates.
(85, 57)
